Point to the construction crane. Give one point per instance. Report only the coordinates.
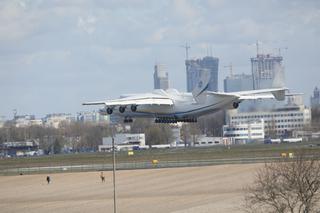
(15, 111)
(257, 46)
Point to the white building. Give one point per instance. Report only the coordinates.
(204, 140)
(243, 132)
(92, 117)
(26, 120)
(21, 148)
(176, 133)
(37, 122)
(2, 121)
(54, 120)
(276, 122)
(123, 142)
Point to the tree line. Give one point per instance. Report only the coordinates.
(81, 136)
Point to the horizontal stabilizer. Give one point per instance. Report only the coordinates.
(222, 94)
(277, 93)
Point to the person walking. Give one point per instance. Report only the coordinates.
(48, 179)
(102, 177)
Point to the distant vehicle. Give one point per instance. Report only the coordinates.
(171, 106)
(161, 146)
(292, 140)
(136, 148)
(284, 140)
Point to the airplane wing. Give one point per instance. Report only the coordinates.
(134, 101)
(277, 93)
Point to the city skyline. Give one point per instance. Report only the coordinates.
(196, 67)
(54, 55)
(160, 77)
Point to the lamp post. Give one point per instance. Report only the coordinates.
(114, 175)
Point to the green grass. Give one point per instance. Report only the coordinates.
(179, 154)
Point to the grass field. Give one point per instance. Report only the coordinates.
(174, 154)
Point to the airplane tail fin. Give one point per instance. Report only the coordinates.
(279, 77)
(279, 95)
(202, 85)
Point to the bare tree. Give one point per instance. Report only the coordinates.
(212, 124)
(158, 134)
(140, 124)
(189, 133)
(185, 134)
(315, 115)
(287, 186)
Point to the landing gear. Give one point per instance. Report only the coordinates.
(235, 105)
(175, 120)
(165, 120)
(127, 120)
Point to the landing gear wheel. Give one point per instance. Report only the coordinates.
(235, 105)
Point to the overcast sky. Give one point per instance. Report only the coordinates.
(56, 54)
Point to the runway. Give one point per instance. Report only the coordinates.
(191, 189)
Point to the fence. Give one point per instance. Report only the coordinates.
(134, 165)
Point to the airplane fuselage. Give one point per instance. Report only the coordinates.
(184, 107)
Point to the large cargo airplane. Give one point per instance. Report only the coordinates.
(171, 106)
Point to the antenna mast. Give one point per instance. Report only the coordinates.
(187, 47)
(15, 113)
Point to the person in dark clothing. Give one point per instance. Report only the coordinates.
(48, 179)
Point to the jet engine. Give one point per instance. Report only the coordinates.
(133, 108)
(109, 110)
(105, 111)
(122, 109)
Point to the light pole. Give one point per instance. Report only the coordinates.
(114, 175)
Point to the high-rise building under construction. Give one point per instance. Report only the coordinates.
(267, 71)
(194, 69)
(160, 77)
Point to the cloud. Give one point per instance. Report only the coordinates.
(158, 35)
(39, 57)
(14, 21)
(87, 23)
(185, 10)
